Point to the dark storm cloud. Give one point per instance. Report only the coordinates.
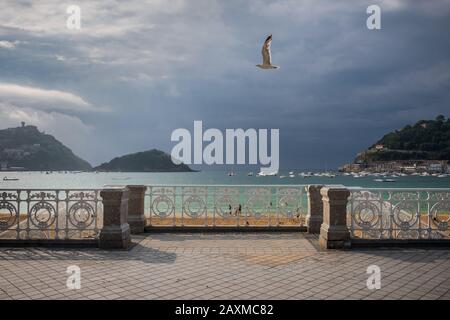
(160, 65)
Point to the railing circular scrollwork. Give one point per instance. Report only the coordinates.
(405, 215)
(402, 213)
(366, 215)
(42, 214)
(289, 202)
(440, 215)
(226, 202)
(162, 206)
(258, 202)
(8, 215)
(81, 214)
(194, 206)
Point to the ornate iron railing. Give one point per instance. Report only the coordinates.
(226, 205)
(399, 213)
(50, 214)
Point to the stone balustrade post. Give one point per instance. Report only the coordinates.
(136, 217)
(314, 218)
(115, 233)
(334, 233)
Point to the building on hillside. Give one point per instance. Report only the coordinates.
(352, 167)
(405, 166)
(13, 153)
(436, 167)
(408, 169)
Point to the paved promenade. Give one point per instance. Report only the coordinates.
(224, 266)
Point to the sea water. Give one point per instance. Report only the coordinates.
(87, 180)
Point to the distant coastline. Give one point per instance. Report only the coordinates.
(146, 161)
(25, 148)
(415, 149)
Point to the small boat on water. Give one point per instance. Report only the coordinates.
(231, 174)
(384, 180)
(267, 174)
(10, 179)
(305, 175)
(250, 174)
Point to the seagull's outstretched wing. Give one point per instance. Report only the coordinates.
(267, 60)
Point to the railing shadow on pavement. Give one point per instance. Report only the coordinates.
(138, 253)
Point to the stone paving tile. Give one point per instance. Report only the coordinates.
(224, 266)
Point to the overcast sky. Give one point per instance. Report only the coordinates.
(137, 70)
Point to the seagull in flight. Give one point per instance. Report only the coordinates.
(267, 59)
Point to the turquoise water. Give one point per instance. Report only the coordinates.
(98, 180)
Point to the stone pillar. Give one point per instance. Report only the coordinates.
(115, 233)
(136, 217)
(314, 218)
(334, 233)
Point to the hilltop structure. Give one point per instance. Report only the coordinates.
(26, 148)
